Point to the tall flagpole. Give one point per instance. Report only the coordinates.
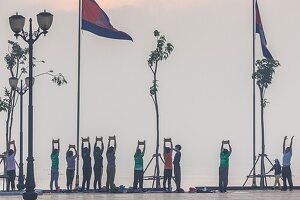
(78, 93)
(253, 89)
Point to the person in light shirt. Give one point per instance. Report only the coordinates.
(11, 167)
(286, 164)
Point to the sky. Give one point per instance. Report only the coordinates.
(205, 86)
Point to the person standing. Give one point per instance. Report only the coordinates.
(224, 165)
(277, 168)
(54, 166)
(177, 168)
(111, 164)
(87, 166)
(98, 164)
(286, 165)
(70, 157)
(11, 166)
(168, 151)
(139, 166)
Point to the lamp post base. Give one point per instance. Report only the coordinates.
(30, 195)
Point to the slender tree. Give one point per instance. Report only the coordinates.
(264, 75)
(161, 52)
(16, 65)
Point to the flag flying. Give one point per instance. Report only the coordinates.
(260, 31)
(95, 20)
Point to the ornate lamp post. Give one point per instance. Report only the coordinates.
(17, 24)
(13, 82)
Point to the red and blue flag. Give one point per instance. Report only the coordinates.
(260, 31)
(95, 20)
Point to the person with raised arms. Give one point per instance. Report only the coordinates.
(70, 157)
(139, 166)
(98, 163)
(111, 164)
(286, 164)
(224, 166)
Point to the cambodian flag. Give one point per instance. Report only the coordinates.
(260, 31)
(95, 20)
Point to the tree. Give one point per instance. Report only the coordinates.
(161, 52)
(264, 75)
(16, 64)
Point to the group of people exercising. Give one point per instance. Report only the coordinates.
(283, 171)
(71, 156)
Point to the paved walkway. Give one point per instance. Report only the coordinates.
(234, 195)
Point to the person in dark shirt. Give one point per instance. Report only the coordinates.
(87, 166)
(98, 164)
(277, 168)
(111, 164)
(177, 168)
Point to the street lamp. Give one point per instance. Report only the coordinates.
(16, 23)
(13, 82)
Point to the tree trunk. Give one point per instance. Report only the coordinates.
(262, 169)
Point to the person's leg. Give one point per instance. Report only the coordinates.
(135, 179)
(89, 175)
(141, 179)
(8, 180)
(165, 179)
(13, 178)
(289, 177)
(56, 179)
(95, 178)
(107, 178)
(51, 180)
(225, 179)
(284, 178)
(83, 179)
(220, 180)
(112, 178)
(68, 179)
(72, 178)
(100, 178)
(169, 179)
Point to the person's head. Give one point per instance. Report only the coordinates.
(110, 149)
(288, 149)
(138, 151)
(225, 151)
(55, 151)
(167, 149)
(97, 150)
(178, 147)
(10, 152)
(69, 153)
(276, 161)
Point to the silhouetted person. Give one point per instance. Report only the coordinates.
(70, 157)
(286, 164)
(277, 168)
(177, 168)
(224, 165)
(111, 165)
(168, 165)
(98, 164)
(54, 166)
(87, 166)
(139, 167)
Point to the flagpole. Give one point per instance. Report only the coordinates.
(78, 93)
(253, 90)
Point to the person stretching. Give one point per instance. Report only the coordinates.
(70, 157)
(11, 166)
(286, 164)
(98, 164)
(139, 167)
(168, 164)
(87, 166)
(111, 164)
(224, 165)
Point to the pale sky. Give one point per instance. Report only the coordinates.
(205, 87)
